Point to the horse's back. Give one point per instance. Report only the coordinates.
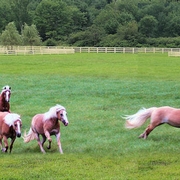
(167, 114)
(2, 116)
(37, 123)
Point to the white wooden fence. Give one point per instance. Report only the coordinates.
(172, 53)
(31, 50)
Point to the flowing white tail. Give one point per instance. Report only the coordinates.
(29, 137)
(138, 119)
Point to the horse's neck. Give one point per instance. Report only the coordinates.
(4, 106)
(12, 132)
(54, 120)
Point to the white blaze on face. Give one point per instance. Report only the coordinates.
(65, 116)
(18, 127)
(7, 96)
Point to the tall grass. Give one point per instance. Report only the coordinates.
(96, 89)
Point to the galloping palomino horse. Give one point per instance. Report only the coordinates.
(10, 127)
(5, 98)
(158, 115)
(47, 124)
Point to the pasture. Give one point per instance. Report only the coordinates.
(96, 89)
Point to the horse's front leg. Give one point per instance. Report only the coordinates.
(48, 136)
(5, 144)
(1, 141)
(11, 145)
(59, 142)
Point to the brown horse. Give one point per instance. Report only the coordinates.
(47, 124)
(10, 127)
(5, 98)
(158, 116)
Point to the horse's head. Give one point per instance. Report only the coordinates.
(17, 127)
(62, 116)
(6, 93)
(13, 120)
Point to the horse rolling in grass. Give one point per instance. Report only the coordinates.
(10, 127)
(47, 124)
(158, 115)
(5, 98)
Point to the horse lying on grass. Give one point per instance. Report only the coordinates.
(10, 127)
(47, 124)
(158, 116)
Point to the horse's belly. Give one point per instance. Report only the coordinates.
(54, 132)
(174, 123)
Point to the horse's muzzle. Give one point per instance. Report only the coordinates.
(18, 135)
(65, 123)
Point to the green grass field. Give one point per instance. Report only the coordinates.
(96, 89)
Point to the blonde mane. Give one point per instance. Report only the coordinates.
(10, 118)
(52, 113)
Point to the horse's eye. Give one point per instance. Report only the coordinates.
(15, 125)
(61, 114)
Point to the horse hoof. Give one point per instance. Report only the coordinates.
(143, 136)
(3, 150)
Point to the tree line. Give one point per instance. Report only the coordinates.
(90, 22)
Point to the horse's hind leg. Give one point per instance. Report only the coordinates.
(43, 140)
(147, 131)
(39, 143)
(2, 149)
(59, 142)
(5, 144)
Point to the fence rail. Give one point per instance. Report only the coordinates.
(31, 50)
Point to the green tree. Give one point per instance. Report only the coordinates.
(108, 19)
(53, 20)
(128, 31)
(148, 26)
(79, 19)
(21, 13)
(6, 14)
(10, 36)
(30, 35)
